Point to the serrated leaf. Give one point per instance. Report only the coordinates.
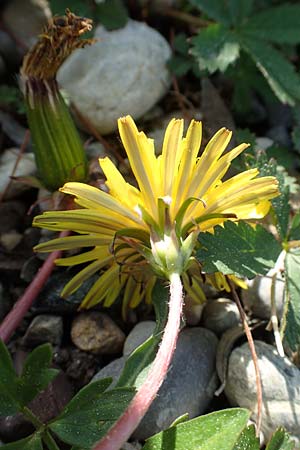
(181, 44)
(239, 10)
(91, 413)
(9, 403)
(294, 232)
(291, 321)
(282, 208)
(277, 70)
(280, 441)
(36, 374)
(145, 353)
(238, 249)
(219, 430)
(179, 65)
(215, 48)
(112, 14)
(280, 24)
(247, 440)
(32, 442)
(215, 9)
(280, 204)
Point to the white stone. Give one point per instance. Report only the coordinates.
(26, 166)
(124, 73)
(280, 383)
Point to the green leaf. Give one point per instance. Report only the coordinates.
(238, 249)
(239, 10)
(280, 441)
(215, 48)
(219, 430)
(112, 14)
(278, 24)
(179, 65)
(294, 232)
(79, 7)
(247, 440)
(181, 44)
(11, 97)
(291, 322)
(36, 374)
(143, 356)
(216, 9)
(282, 208)
(277, 70)
(91, 413)
(9, 403)
(280, 204)
(32, 442)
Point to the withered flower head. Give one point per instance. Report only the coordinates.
(62, 35)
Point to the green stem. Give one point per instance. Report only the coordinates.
(49, 441)
(32, 417)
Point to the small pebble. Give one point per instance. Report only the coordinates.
(95, 332)
(220, 314)
(257, 297)
(142, 331)
(10, 240)
(44, 328)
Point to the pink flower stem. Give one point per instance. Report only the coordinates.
(20, 308)
(141, 402)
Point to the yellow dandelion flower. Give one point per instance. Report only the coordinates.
(140, 233)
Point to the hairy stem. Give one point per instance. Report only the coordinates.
(20, 308)
(253, 354)
(140, 404)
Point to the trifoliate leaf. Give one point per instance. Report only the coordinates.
(280, 441)
(238, 249)
(278, 24)
(247, 440)
(219, 430)
(16, 392)
(91, 413)
(277, 70)
(215, 48)
(291, 322)
(36, 374)
(215, 9)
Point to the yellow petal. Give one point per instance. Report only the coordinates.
(83, 275)
(118, 187)
(141, 155)
(211, 154)
(190, 149)
(171, 154)
(90, 197)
